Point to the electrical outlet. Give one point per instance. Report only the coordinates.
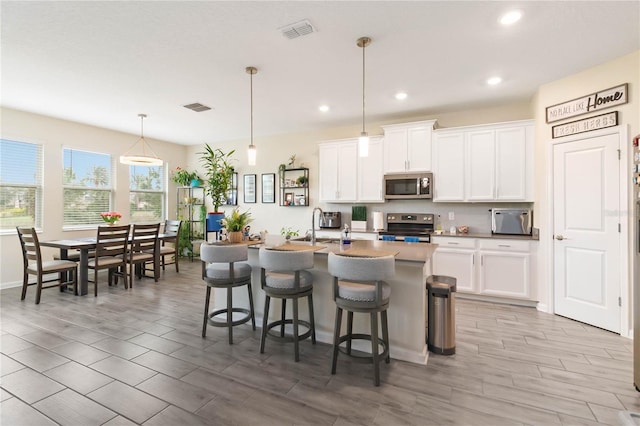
(452, 216)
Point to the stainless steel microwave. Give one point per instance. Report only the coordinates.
(408, 186)
(511, 221)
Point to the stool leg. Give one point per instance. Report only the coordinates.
(230, 313)
(296, 339)
(311, 319)
(374, 348)
(282, 316)
(349, 330)
(336, 339)
(265, 318)
(253, 315)
(206, 312)
(385, 335)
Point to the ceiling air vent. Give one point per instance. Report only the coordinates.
(197, 107)
(297, 30)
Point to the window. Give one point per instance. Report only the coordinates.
(20, 185)
(87, 184)
(146, 193)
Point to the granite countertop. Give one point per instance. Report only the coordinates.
(412, 252)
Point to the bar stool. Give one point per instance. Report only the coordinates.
(223, 267)
(359, 286)
(284, 276)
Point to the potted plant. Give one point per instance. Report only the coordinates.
(235, 224)
(359, 218)
(288, 232)
(302, 181)
(184, 177)
(219, 175)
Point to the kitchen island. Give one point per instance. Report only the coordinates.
(407, 306)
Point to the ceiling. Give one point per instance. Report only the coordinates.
(104, 62)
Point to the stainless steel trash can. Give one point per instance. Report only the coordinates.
(441, 325)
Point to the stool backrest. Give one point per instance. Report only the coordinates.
(361, 268)
(277, 260)
(223, 253)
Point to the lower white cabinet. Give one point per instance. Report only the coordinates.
(486, 266)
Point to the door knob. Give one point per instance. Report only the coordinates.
(560, 237)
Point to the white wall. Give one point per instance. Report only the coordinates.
(54, 134)
(622, 70)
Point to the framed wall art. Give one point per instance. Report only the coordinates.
(268, 187)
(249, 188)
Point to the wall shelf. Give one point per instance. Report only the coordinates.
(294, 187)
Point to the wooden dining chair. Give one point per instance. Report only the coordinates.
(111, 252)
(144, 247)
(65, 270)
(169, 245)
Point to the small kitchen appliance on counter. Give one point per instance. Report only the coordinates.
(330, 220)
(511, 221)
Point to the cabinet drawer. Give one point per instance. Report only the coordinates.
(506, 245)
(454, 242)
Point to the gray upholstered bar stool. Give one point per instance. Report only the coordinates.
(284, 276)
(223, 266)
(359, 286)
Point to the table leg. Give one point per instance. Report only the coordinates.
(83, 273)
(64, 255)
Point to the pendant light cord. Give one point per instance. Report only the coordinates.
(251, 90)
(363, 79)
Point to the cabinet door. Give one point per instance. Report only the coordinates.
(448, 167)
(480, 172)
(395, 150)
(511, 164)
(504, 274)
(328, 172)
(347, 171)
(458, 264)
(419, 149)
(370, 174)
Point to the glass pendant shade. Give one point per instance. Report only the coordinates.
(363, 144)
(252, 155)
(141, 154)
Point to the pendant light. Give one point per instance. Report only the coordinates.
(252, 148)
(363, 141)
(141, 157)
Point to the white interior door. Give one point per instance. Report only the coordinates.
(586, 230)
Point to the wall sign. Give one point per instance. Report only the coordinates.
(589, 124)
(590, 103)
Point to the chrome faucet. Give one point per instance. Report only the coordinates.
(313, 224)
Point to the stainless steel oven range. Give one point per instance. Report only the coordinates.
(415, 227)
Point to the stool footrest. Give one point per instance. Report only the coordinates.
(218, 322)
(360, 356)
(287, 338)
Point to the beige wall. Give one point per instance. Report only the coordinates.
(622, 70)
(55, 134)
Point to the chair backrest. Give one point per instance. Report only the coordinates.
(112, 240)
(361, 269)
(277, 260)
(223, 253)
(144, 237)
(30, 247)
(172, 227)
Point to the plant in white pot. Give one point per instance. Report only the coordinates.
(217, 181)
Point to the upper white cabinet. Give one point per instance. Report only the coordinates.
(492, 162)
(344, 176)
(407, 147)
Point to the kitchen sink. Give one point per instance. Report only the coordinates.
(319, 240)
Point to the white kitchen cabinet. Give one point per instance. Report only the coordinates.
(485, 266)
(455, 257)
(494, 162)
(504, 268)
(344, 176)
(370, 173)
(338, 171)
(448, 166)
(407, 147)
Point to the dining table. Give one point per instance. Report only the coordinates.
(84, 246)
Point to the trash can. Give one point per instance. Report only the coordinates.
(441, 325)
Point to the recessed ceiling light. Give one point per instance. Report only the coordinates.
(494, 80)
(323, 108)
(401, 96)
(511, 17)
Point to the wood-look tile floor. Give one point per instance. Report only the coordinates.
(136, 357)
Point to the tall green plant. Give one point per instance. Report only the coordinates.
(219, 173)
